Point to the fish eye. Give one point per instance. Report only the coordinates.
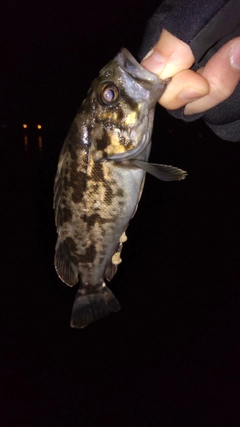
(109, 94)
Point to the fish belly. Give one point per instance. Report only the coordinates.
(110, 204)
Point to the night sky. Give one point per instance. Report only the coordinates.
(52, 51)
(170, 357)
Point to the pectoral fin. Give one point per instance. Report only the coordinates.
(163, 172)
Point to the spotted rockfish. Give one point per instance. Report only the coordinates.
(100, 178)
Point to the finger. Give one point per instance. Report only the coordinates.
(184, 87)
(222, 72)
(169, 56)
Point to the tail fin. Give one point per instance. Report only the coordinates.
(89, 307)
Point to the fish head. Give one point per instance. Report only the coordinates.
(121, 102)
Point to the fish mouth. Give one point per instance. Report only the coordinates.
(148, 80)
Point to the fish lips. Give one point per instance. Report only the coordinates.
(149, 81)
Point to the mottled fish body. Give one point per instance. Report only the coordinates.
(100, 178)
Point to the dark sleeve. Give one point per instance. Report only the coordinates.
(205, 25)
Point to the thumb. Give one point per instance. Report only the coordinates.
(169, 56)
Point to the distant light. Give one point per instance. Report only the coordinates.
(25, 140)
(40, 143)
(39, 126)
(24, 126)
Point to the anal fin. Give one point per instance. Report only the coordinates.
(115, 260)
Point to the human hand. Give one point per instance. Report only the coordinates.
(197, 91)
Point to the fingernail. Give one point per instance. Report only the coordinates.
(235, 56)
(148, 54)
(154, 62)
(190, 94)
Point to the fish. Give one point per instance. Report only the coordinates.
(99, 181)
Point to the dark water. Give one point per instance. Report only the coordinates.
(170, 357)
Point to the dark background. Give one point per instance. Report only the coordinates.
(170, 357)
